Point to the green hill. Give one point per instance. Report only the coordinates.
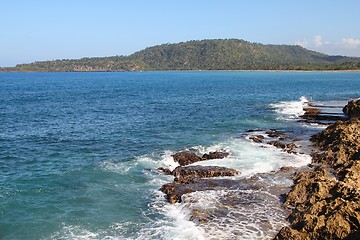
(228, 54)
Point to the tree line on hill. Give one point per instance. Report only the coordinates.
(222, 54)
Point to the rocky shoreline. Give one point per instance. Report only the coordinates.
(323, 203)
(325, 200)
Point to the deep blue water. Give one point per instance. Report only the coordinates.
(78, 150)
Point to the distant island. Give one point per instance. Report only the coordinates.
(220, 54)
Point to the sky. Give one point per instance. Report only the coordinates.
(39, 30)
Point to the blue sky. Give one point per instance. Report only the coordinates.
(46, 30)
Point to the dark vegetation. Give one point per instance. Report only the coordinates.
(228, 54)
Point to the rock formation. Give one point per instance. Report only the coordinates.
(326, 201)
(186, 158)
(352, 109)
(182, 172)
(196, 178)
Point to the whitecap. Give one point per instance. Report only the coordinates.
(289, 110)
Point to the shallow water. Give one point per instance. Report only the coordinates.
(79, 151)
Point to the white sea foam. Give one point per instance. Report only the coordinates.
(259, 217)
(251, 158)
(290, 109)
(174, 224)
(77, 233)
(247, 215)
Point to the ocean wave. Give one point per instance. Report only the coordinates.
(173, 222)
(251, 158)
(289, 110)
(249, 219)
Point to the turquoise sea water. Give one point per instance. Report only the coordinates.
(79, 151)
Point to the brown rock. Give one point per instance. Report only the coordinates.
(257, 138)
(165, 170)
(287, 233)
(199, 216)
(278, 144)
(326, 204)
(340, 143)
(286, 169)
(186, 158)
(275, 134)
(202, 172)
(288, 147)
(174, 191)
(352, 109)
(215, 155)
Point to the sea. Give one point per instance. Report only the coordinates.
(80, 152)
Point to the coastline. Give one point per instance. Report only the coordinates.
(325, 200)
(265, 71)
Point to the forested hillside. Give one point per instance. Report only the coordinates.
(227, 54)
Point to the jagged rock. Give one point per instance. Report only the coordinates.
(352, 109)
(186, 158)
(340, 143)
(287, 233)
(199, 216)
(189, 179)
(286, 169)
(288, 147)
(326, 205)
(257, 138)
(278, 144)
(202, 172)
(215, 155)
(165, 170)
(174, 191)
(309, 187)
(276, 134)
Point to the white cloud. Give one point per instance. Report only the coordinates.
(350, 42)
(318, 41)
(345, 46)
(304, 43)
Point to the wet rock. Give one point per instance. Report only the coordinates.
(174, 191)
(186, 158)
(257, 138)
(253, 130)
(278, 144)
(165, 170)
(275, 134)
(288, 147)
(215, 155)
(286, 169)
(352, 109)
(199, 216)
(202, 172)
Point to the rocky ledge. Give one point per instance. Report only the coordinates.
(187, 157)
(325, 201)
(196, 178)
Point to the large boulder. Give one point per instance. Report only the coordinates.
(185, 158)
(340, 143)
(352, 109)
